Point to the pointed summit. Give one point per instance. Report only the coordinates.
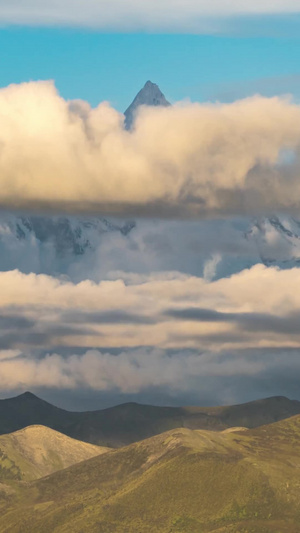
(149, 95)
(26, 396)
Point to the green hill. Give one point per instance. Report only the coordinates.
(190, 481)
(37, 451)
(131, 422)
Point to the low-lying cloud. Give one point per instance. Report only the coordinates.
(129, 372)
(186, 376)
(189, 160)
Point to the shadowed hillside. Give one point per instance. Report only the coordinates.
(180, 481)
(37, 451)
(131, 422)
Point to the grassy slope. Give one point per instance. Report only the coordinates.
(180, 481)
(37, 451)
(128, 423)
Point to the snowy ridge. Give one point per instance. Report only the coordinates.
(277, 239)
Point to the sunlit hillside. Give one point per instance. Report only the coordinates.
(181, 481)
(36, 451)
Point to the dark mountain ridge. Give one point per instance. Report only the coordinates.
(131, 422)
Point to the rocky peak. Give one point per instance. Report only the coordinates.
(149, 95)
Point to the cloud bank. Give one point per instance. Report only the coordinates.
(167, 333)
(188, 160)
(256, 308)
(135, 15)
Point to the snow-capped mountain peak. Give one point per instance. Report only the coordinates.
(149, 95)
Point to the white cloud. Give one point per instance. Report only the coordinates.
(138, 14)
(187, 160)
(210, 267)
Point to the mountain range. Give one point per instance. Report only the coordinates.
(143, 468)
(226, 469)
(131, 422)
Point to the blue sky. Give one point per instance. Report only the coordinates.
(97, 66)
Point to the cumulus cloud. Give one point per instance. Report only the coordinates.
(132, 14)
(129, 372)
(187, 160)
